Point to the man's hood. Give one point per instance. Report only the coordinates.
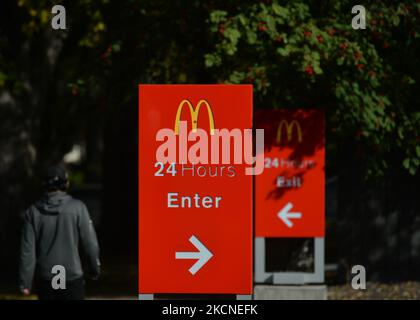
(51, 202)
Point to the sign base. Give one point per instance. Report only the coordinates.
(261, 276)
(316, 292)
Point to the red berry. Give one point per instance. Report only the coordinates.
(309, 70)
(222, 28)
(344, 45)
(279, 39)
(331, 31)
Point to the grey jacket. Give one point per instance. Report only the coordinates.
(51, 232)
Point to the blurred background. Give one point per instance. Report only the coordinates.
(71, 96)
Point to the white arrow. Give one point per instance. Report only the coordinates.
(285, 215)
(202, 255)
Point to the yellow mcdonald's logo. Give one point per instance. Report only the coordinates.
(289, 129)
(194, 115)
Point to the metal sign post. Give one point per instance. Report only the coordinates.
(262, 276)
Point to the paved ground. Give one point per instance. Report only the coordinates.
(377, 291)
(34, 297)
(113, 298)
(374, 291)
(117, 282)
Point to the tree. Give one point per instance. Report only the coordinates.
(306, 54)
(79, 85)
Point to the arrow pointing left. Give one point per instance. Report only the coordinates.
(285, 215)
(202, 255)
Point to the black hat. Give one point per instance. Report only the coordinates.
(55, 177)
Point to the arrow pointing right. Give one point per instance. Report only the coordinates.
(285, 215)
(202, 255)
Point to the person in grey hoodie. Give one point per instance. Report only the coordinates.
(52, 229)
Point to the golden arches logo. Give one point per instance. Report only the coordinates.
(194, 115)
(289, 128)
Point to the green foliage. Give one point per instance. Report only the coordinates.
(295, 53)
(305, 54)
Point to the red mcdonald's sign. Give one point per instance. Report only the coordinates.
(195, 219)
(290, 193)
